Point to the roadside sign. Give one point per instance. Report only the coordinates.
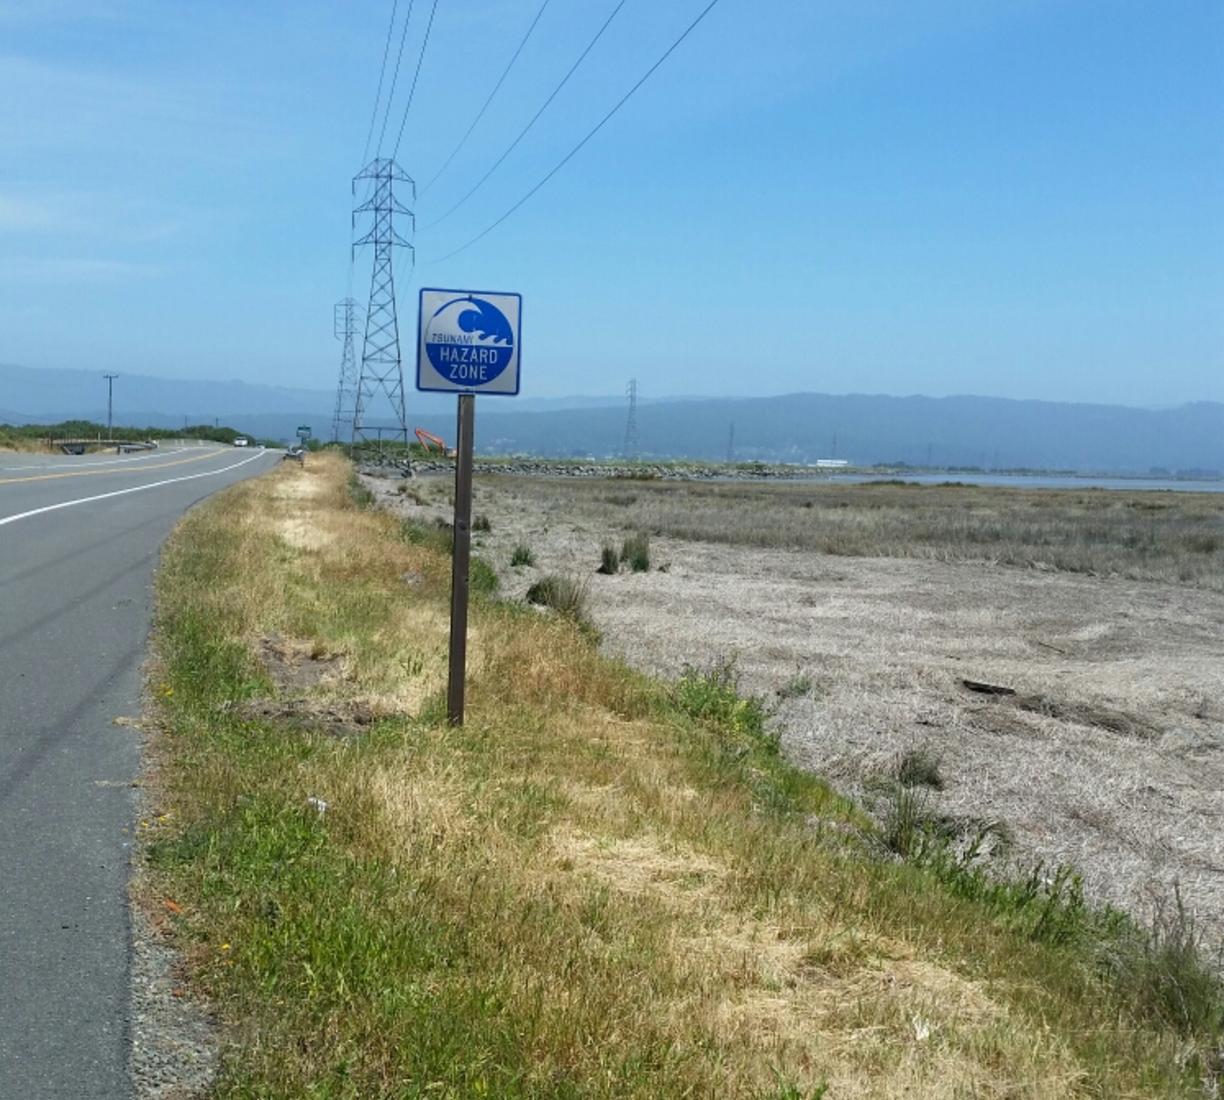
(303, 431)
(468, 342)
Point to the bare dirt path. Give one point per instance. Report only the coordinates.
(1110, 756)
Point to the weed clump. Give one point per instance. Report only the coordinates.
(522, 554)
(609, 559)
(636, 552)
(481, 523)
(564, 595)
(919, 767)
(1167, 974)
(796, 687)
(361, 496)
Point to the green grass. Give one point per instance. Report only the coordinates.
(522, 554)
(636, 552)
(600, 886)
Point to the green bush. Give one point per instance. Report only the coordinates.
(521, 555)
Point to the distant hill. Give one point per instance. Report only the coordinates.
(949, 431)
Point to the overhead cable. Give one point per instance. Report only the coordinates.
(399, 56)
(590, 134)
(415, 77)
(382, 72)
(485, 106)
(534, 118)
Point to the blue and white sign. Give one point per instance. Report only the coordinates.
(468, 342)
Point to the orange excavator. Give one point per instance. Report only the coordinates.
(430, 441)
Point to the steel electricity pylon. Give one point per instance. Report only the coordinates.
(382, 368)
(344, 327)
(630, 449)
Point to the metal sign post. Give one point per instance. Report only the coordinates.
(461, 560)
(467, 343)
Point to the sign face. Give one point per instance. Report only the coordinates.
(304, 431)
(468, 342)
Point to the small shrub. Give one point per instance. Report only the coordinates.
(481, 523)
(563, 594)
(521, 555)
(609, 559)
(919, 767)
(636, 552)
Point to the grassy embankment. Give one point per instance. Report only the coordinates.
(600, 886)
(1144, 535)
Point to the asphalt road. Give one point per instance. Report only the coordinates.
(79, 540)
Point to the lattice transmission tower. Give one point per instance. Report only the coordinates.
(344, 327)
(382, 368)
(630, 449)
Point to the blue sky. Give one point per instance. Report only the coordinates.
(1009, 197)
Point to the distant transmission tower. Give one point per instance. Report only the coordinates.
(382, 368)
(630, 449)
(344, 327)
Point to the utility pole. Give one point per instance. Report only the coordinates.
(110, 392)
(630, 449)
(382, 368)
(344, 327)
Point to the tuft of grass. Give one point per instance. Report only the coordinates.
(1169, 974)
(563, 594)
(636, 552)
(796, 687)
(480, 522)
(609, 559)
(919, 767)
(362, 496)
(522, 554)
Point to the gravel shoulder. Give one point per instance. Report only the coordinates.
(1110, 756)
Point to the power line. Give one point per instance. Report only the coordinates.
(399, 56)
(416, 76)
(590, 134)
(382, 72)
(534, 118)
(480, 114)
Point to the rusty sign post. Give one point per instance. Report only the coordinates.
(467, 344)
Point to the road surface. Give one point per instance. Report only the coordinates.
(79, 539)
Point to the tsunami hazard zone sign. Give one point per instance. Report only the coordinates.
(468, 342)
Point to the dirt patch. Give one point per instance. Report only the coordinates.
(295, 666)
(338, 718)
(1110, 756)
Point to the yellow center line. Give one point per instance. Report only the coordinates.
(111, 470)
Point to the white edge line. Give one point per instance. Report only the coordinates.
(123, 492)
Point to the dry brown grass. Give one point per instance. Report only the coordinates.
(1168, 536)
(579, 893)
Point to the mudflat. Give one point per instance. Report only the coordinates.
(1106, 752)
